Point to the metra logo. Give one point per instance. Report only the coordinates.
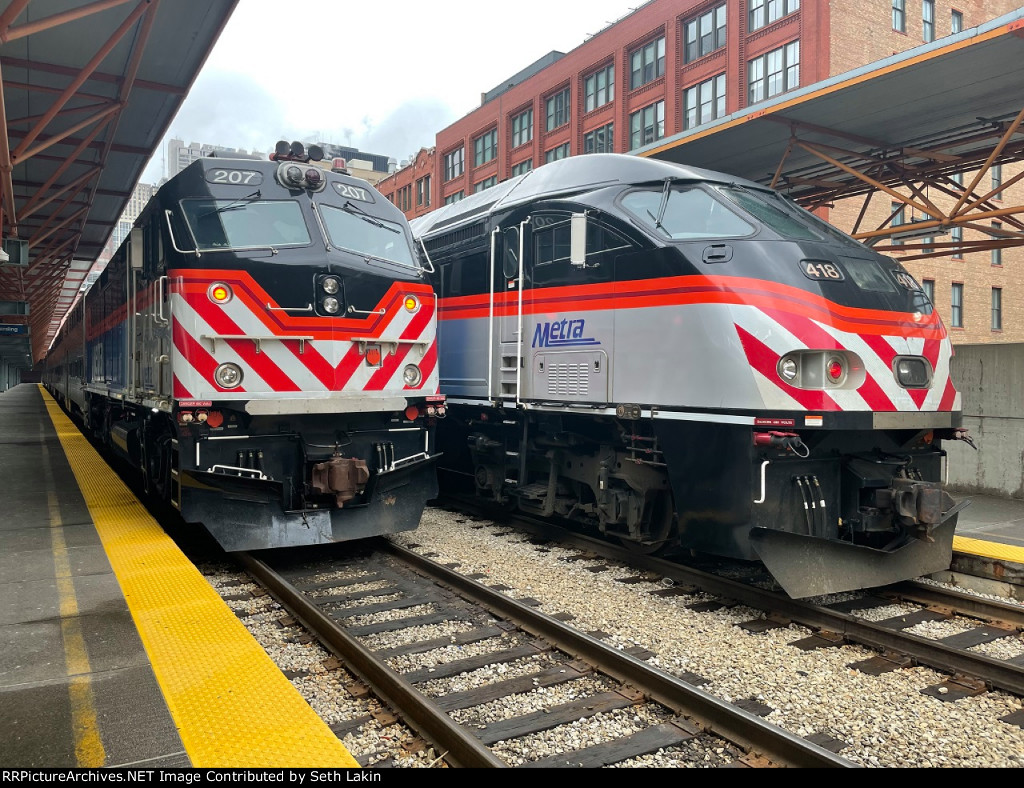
(562, 333)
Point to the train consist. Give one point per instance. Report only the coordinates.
(263, 350)
(686, 361)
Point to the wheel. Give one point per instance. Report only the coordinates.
(661, 530)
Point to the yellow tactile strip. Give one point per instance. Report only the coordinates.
(994, 550)
(231, 704)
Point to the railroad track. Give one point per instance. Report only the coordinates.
(847, 619)
(424, 608)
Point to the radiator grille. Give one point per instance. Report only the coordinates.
(568, 379)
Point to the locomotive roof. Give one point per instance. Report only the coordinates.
(566, 177)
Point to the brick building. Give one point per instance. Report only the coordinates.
(673, 65)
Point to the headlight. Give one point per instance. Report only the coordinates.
(912, 372)
(331, 285)
(788, 368)
(412, 375)
(228, 376)
(291, 175)
(331, 305)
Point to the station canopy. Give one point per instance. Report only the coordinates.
(89, 90)
(928, 122)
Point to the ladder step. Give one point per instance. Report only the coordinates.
(511, 454)
(512, 481)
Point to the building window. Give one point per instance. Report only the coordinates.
(956, 306)
(897, 218)
(899, 16)
(956, 22)
(454, 197)
(454, 164)
(558, 110)
(647, 63)
(403, 198)
(956, 235)
(599, 88)
(997, 254)
(485, 147)
(997, 309)
(705, 34)
(561, 152)
(929, 290)
(522, 167)
(928, 20)
(957, 178)
(599, 140)
(647, 125)
(997, 179)
(764, 12)
(522, 128)
(486, 183)
(774, 73)
(704, 102)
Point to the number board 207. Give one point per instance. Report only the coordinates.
(235, 177)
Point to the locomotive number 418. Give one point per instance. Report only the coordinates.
(814, 269)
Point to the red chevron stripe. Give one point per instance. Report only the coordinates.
(766, 361)
(180, 392)
(948, 396)
(379, 379)
(197, 357)
(427, 364)
(260, 363)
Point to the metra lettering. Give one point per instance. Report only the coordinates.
(561, 333)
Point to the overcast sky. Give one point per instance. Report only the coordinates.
(383, 76)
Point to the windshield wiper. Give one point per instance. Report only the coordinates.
(355, 210)
(232, 205)
(661, 208)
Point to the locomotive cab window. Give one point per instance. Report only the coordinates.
(355, 230)
(552, 244)
(219, 225)
(681, 213)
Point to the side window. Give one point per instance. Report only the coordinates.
(552, 236)
(550, 239)
(463, 275)
(154, 252)
(510, 254)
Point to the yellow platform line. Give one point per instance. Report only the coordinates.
(994, 550)
(232, 706)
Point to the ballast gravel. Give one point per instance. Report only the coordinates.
(885, 721)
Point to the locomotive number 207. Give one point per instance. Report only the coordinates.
(352, 192)
(820, 270)
(235, 177)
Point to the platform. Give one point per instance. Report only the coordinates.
(114, 650)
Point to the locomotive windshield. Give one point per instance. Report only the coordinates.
(353, 229)
(785, 217)
(682, 213)
(218, 225)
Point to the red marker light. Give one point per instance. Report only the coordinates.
(835, 369)
(412, 413)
